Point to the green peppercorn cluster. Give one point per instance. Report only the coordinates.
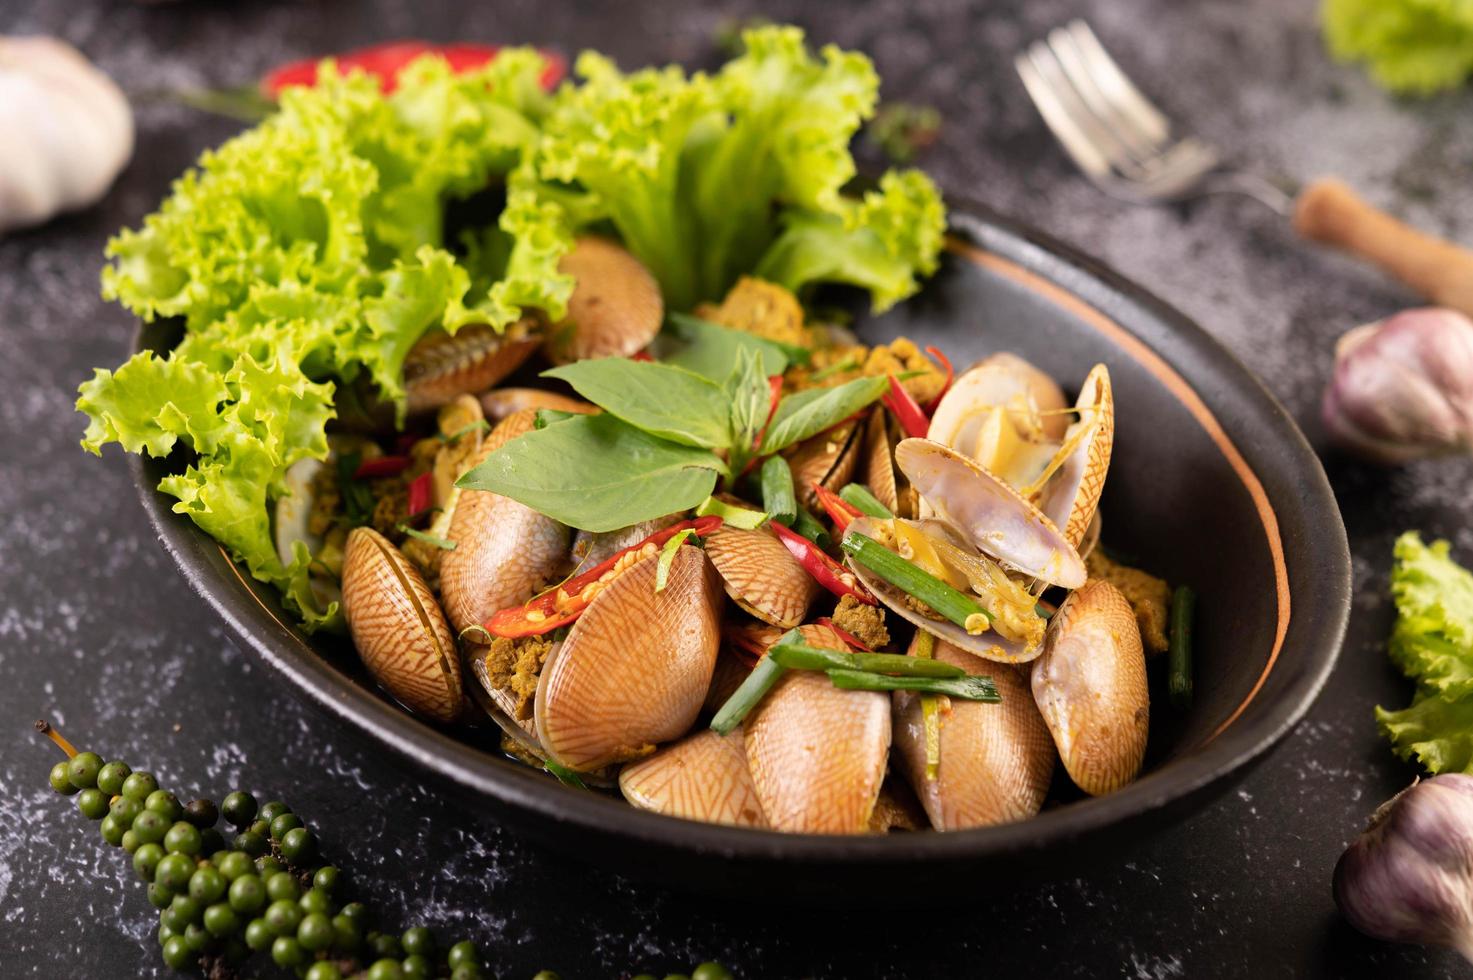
(266, 890)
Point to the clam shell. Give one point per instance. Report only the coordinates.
(398, 628)
(996, 759)
(701, 777)
(499, 403)
(995, 380)
(818, 753)
(498, 704)
(441, 365)
(761, 575)
(503, 549)
(829, 458)
(635, 668)
(728, 675)
(1090, 686)
(990, 513)
(591, 548)
(879, 461)
(1072, 496)
(616, 307)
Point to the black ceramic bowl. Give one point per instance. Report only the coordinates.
(1211, 484)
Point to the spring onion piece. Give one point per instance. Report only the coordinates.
(800, 656)
(667, 558)
(925, 648)
(564, 775)
(858, 496)
(742, 517)
(761, 680)
(808, 526)
(430, 539)
(777, 491)
(973, 687)
(915, 581)
(1179, 676)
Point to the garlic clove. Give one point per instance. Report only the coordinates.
(1403, 388)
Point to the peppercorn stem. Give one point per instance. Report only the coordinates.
(1179, 675)
(915, 581)
(777, 490)
(800, 656)
(44, 727)
(752, 690)
(858, 496)
(973, 687)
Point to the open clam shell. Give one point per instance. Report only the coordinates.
(503, 549)
(996, 760)
(442, 365)
(829, 458)
(991, 514)
(1072, 495)
(818, 753)
(636, 666)
(701, 777)
(398, 628)
(1090, 687)
(761, 575)
(616, 307)
(998, 380)
(988, 645)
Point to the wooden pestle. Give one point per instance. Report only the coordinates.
(1329, 212)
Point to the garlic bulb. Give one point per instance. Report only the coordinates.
(67, 130)
(1409, 877)
(1403, 387)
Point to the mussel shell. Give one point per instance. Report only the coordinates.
(398, 628)
(1072, 496)
(817, 752)
(761, 575)
(702, 777)
(991, 514)
(615, 309)
(1090, 687)
(441, 365)
(503, 549)
(636, 666)
(988, 645)
(996, 760)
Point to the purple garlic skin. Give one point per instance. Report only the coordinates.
(1403, 387)
(1409, 877)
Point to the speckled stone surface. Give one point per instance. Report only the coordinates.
(98, 631)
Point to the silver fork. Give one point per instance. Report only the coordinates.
(1122, 142)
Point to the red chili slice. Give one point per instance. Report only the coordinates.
(386, 61)
(421, 494)
(827, 572)
(381, 466)
(541, 613)
(906, 411)
(946, 386)
(840, 511)
(843, 634)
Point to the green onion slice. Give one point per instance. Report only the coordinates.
(752, 690)
(1179, 674)
(914, 580)
(973, 687)
(858, 496)
(808, 526)
(432, 539)
(777, 490)
(800, 656)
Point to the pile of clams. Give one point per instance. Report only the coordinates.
(998, 498)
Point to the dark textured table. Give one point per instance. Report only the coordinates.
(99, 632)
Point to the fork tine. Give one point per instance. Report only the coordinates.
(1133, 132)
(1078, 120)
(1107, 74)
(1076, 143)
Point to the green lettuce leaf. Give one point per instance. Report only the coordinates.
(703, 176)
(1416, 47)
(1432, 643)
(303, 253)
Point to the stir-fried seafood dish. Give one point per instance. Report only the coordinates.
(899, 619)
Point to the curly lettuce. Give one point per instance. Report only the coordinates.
(304, 253)
(1432, 643)
(1414, 47)
(708, 177)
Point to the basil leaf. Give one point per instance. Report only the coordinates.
(808, 413)
(750, 397)
(710, 350)
(597, 473)
(668, 402)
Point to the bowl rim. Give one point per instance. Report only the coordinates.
(1243, 739)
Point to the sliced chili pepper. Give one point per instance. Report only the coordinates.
(541, 613)
(827, 572)
(386, 61)
(775, 386)
(842, 633)
(643, 356)
(381, 466)
(946, 386)
(840, 511)
(404, 442)
(906, 411)
(421, 494)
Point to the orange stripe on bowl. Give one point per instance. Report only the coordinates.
(1193, 403)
